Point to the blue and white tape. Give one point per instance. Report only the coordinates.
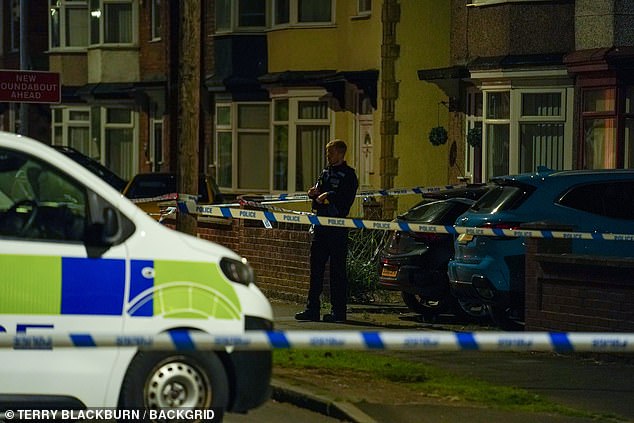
(311, 219)
(363, 193)
(341, 340)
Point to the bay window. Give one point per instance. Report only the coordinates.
(83, 128)
(522, 129)
(240, 15)
(119, 140)
(253, 146)
(599, 128)
(68, 24)
(364, 7)
(541, 127)
(271, 147)
(111, 22)
(305, 12)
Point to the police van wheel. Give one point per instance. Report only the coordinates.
(161, 381)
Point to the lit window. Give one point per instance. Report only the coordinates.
(599, 128)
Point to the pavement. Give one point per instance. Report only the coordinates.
(600, 385)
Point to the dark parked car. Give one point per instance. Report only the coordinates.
(94, 166)
(150, 185)
(415, 263)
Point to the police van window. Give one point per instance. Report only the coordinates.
(37, 201)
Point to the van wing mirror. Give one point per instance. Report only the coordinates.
(104, 227)
(111, 229)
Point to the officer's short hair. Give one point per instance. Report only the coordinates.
(338, 145)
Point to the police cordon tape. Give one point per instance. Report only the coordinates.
(311, 219)
(336, 339)
(362, 193)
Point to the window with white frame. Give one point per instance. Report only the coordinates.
(83, 127)
(271, 150)
(541, 130)
(15, 26)
(112, 22)
(497, 124)
(224, 145)
(156, 19)
(312, 132)
(473, 124)
(526, 128)
(243, 145)
(68, 24)
(240, 15)
(71, 127)
(301, 130)
(364, 7)
(303, 12)
(156, 143)
(118, 124)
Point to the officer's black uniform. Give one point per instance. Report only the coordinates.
(340, 182)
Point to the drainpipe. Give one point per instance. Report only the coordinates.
(390, 51)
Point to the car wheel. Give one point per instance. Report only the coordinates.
(427, 307)
(160, 380)
(471, 309)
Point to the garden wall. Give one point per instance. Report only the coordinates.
(280, 256)
(566, 292)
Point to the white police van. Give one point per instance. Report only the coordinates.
(77, 257)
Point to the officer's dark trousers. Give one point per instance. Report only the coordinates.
(329, 242)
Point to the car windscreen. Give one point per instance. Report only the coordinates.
(435, 212)
(502, 197)
(155, 185)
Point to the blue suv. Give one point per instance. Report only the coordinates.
(491, 269)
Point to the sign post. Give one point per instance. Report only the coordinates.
(29, 86)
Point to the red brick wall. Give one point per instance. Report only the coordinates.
(566, 292)
(152, 54)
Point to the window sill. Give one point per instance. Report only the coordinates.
(363, 17)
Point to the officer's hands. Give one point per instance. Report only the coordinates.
(313, 192)
(323, 198)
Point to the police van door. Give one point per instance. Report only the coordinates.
(54, 281)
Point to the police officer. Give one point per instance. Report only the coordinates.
(332, 196)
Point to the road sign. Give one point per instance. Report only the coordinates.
(29, 86)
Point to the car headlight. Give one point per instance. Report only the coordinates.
(237, 270)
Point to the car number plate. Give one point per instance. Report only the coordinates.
(464, 238)
(389, 272)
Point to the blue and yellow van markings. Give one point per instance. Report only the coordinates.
(53, 285)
